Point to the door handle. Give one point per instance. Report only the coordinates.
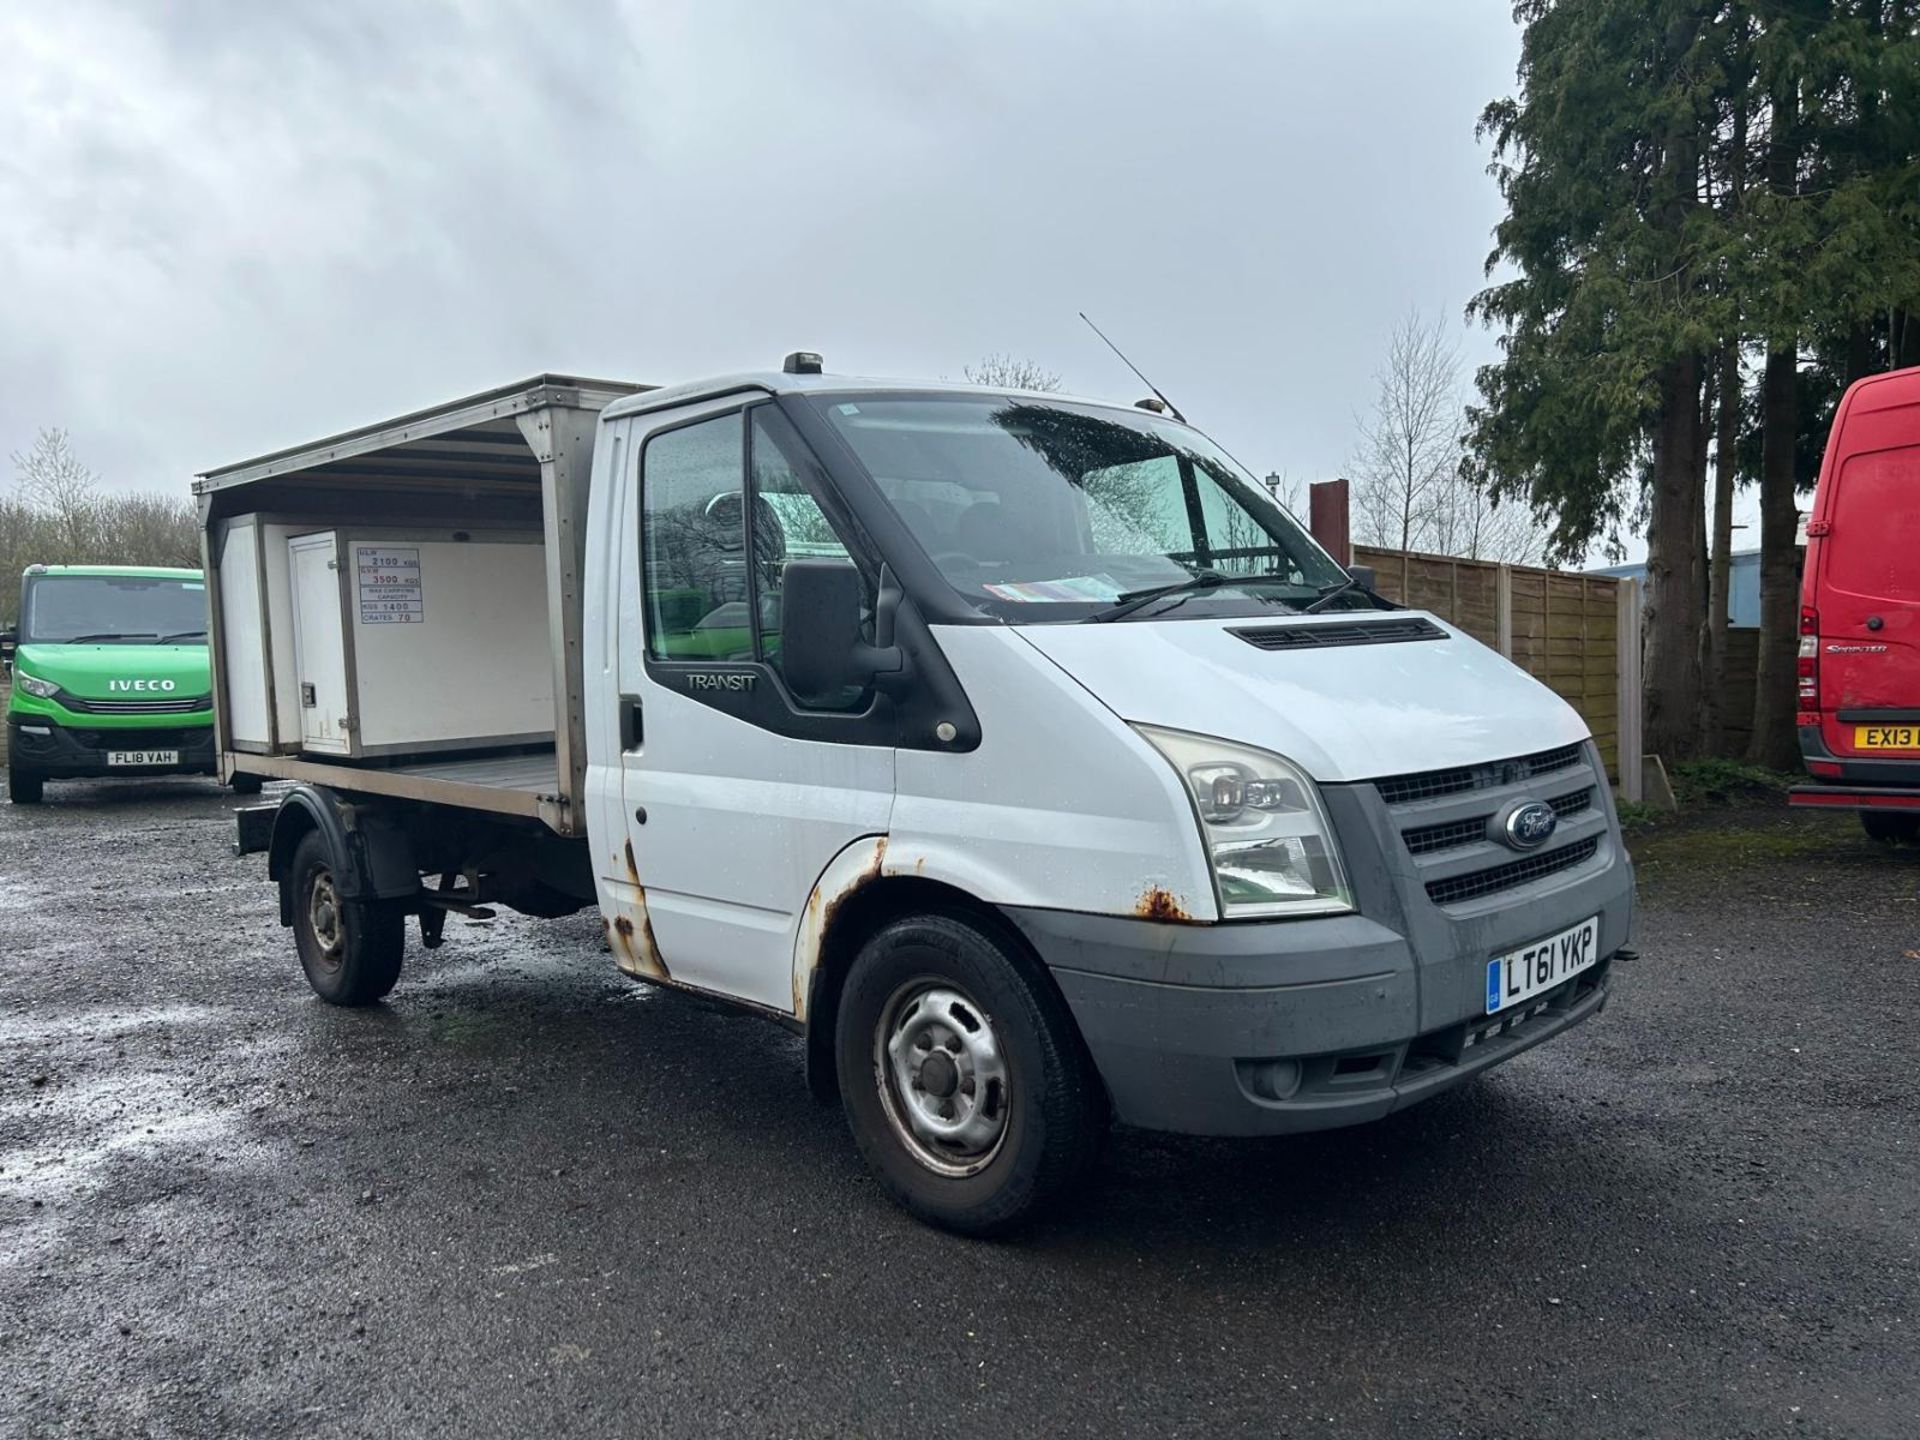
(631, 730)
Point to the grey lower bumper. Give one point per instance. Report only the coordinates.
(1272, 1028)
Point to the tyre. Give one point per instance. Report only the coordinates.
(1891, 829)
(244, 784)
(964, 1082)
(350, 949)
(23, 786)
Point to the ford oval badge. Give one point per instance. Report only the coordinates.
(1530, 825)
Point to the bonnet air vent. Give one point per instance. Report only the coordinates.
(1326, 637)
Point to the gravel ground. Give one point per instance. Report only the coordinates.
(527, 1197)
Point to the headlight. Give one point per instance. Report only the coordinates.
(1267, 836)
(34, 685)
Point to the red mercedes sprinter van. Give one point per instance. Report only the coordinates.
(1859, 710)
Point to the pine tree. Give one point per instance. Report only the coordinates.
(1600, 159)
(1690, 183)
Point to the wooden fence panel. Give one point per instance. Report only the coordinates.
(1736, 689)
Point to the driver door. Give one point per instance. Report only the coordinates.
(737, 795)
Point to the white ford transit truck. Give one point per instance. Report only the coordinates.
(1019, 752)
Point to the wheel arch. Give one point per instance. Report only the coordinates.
(372, 856)
(863, 904)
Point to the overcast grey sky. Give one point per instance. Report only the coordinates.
(231, 225)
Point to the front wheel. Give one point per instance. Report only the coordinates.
(350, 949)
(1891, 829)
(23, 786)
(964, 1082)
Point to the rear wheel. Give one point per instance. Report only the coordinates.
(24, 786)
(1891, 829)
(350, 949)
(964, 1082)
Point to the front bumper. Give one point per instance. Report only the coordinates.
(1273, 1027)
(54, 751)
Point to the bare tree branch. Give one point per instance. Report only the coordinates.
(1408, 490)
(56, 515)
(1010, 372)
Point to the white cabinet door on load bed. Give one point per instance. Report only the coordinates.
(746, 793)
(320, 658)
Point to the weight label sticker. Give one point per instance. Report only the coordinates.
(388, 577)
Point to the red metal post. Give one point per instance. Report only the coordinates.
(1327, 518)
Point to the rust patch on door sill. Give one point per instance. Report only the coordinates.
(635, 950)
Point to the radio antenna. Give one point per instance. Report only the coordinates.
(1171, 408)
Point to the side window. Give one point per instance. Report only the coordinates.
(788, 524)
(1877, 529)
(715, 549)
(693, 528)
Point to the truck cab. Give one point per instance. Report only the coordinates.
(1018, 751)
(110, 676)
(1859, 666)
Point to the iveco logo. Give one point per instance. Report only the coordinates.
(139, 684)
(1529, 825)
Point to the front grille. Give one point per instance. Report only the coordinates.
(1426, 839)
(143, 739)
(1457, 888)
(1565, 805)
(135, 707)
(1431, 785)
(1328, 636)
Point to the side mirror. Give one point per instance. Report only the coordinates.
(9, 642)
(823, 652)
(1361, 575)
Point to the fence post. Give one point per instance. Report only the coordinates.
(1627, 648)
(1503, 609)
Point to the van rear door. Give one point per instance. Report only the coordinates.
(1865, 539)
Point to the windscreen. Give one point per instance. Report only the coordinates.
(1027, 504)
(114, 609)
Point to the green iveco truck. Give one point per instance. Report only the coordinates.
(110, 676)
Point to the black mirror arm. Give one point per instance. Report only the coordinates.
(885, 660)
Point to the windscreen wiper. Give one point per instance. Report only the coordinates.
(174, 635)
(1330, 593)
(1132, 600)
(104, 635)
